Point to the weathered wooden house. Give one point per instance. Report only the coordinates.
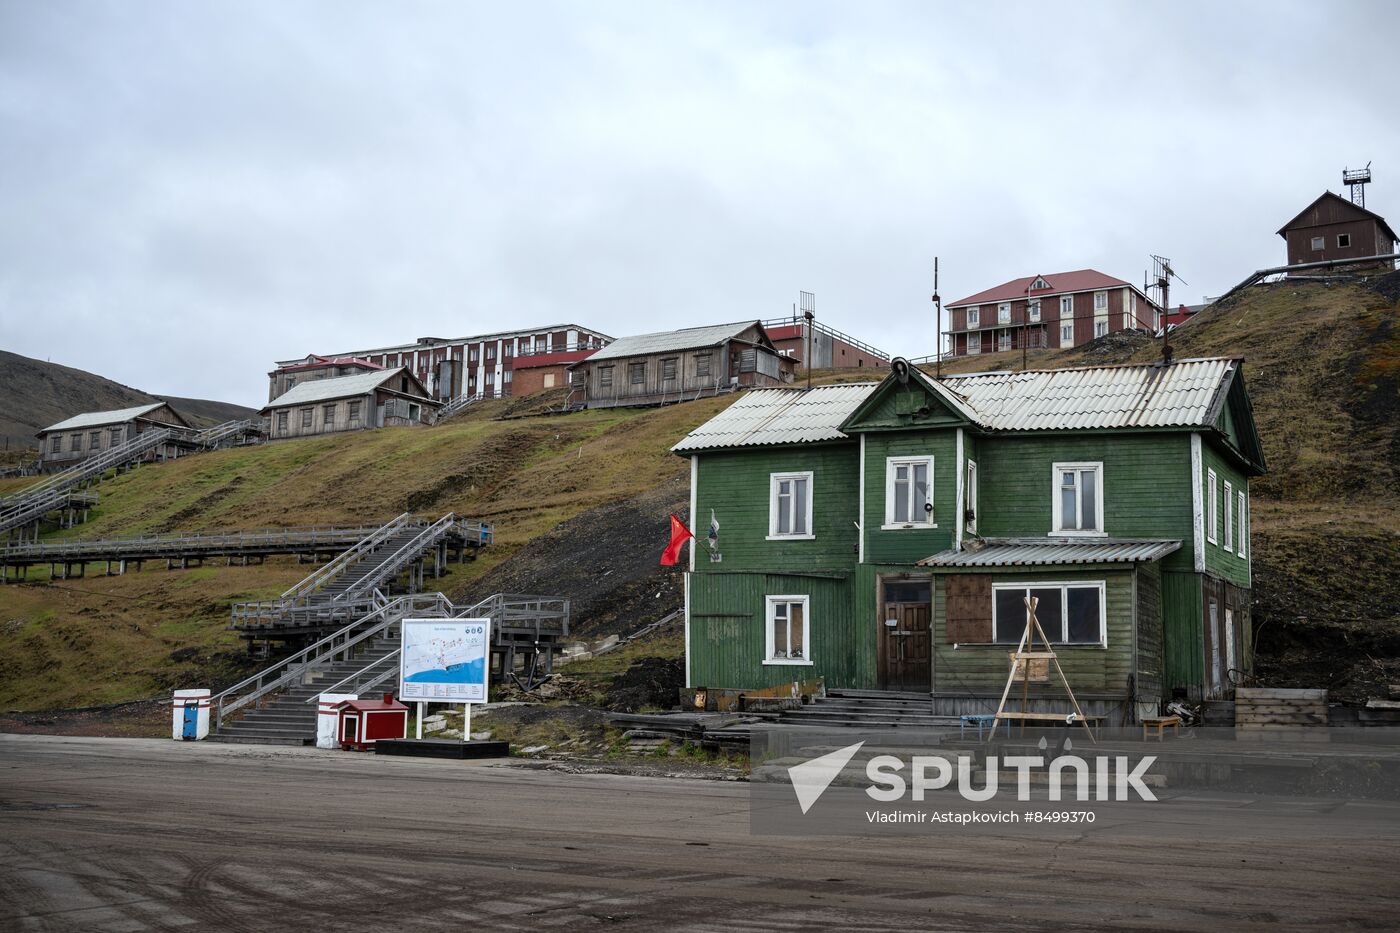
(375, 399)
(63, 444)
(882, 536)
(1332, 227)
(675, 365)
(315, 367)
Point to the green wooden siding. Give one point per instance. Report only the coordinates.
(1147, 485)
(1149, 632)
(1227, 565)
(1183, 658)
(727, 638)
(1090, 669)
(907, 545)
(736, 484)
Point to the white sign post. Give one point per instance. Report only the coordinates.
(445, 661)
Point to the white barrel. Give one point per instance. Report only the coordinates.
(191, 715)
(327, 715)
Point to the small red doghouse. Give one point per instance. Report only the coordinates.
(364, 722)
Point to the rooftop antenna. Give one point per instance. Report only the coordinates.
(808, 303)
(1160, 291)
(1357, 179)
(938, 324)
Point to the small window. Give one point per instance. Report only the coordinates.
(353, 412)
(1066, 334)
(974, 343)
(1004, 313)
(1229, 497)
(1069, 614)
(306, 415)
(490, 351)
(668, 370)
(702, 364)
(505, 376)
(605, 376)
(1067, 306)
(1318, 242)
(1212, 508)
(403, 383)
(1343, 240)
(56, 443)
(281, 422)
(790, 505)
(1100, 301)
(1078, 502)
(1039, 283)
(1100, 328)
(788, 631)
(974, 317)
(1034, 310)
(116, 437)
(94, 440)
(328, 414)
(75, 442)
(1239, 516)
(970, 492)
(637, 372)
(908, 492)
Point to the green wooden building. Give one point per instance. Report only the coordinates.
(883, 536)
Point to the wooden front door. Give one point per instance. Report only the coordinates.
(906, 636)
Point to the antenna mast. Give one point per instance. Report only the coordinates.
(938, 324)
(1357, 179)
(808, 302)
(1160, 291)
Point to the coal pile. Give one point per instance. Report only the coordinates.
(650, 683)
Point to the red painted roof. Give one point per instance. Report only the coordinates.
(1082, 280)
(370, 705)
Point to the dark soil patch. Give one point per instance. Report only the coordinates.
(606, 560)
(649, 683)
(1387, 286)
(139, 718)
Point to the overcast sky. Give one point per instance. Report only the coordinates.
(190, 190)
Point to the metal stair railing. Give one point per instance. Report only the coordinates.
(94, 466)
(351, 684)
(211, 436)
(343, 561)
(334, 646)
(37, 507)
(456, 405)
(395, 562)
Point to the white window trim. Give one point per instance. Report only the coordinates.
(890, 524)
(1100, 585)
(1056, 519)
(1229, 497)
(1033, 310)
(773, 479)
(768, 603)
(1004, 306)
(1100, 301)
(974, 343)
(1067, 304)
(974, 317)
(1212, 508)
(970, 485)
(1244, 527)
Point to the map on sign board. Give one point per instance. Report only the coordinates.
(444, 660)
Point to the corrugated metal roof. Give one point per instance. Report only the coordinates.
(1014, 552)
(323, 390)
(94, 419)
(780, 416)
(691, 338)
(1143, 396)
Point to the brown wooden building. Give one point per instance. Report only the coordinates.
(63, 444)
(677, 365)
(828, 348)
(315, 367)
(1060, 310)
(375, 399)
(1334, 228)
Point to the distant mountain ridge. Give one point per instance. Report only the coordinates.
(35, 394)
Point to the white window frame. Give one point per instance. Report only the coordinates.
(1061, 585)
(1212, 508)
(891, 464)
(773, 480)
(1004, 313)
(1319, 243)
(1033, 310)
(1244, 528)
(1340, 238)
(970, 493)
(1229, 542)
(1066, 341)
(1057, 529)
(1100, 328)
(1100, 301)
(974, 343)
(1004, 341)
(770, 605)
(974, 317)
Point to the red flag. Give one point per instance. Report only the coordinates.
(679, 533)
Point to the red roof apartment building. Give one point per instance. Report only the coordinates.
(1060, 310)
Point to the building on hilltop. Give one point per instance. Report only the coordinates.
(63, 444)
(1040, 311)
(1332, 227)
(883, 536)
(676, 365)
(315, 367)
(378, 398)
(829, 349)
(450, 368)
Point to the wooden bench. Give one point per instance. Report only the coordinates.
(1160, 723)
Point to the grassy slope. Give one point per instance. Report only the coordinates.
(1321, 364)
